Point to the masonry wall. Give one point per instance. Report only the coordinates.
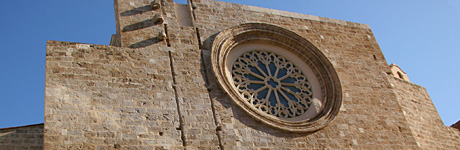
(424, 121)
(103, 97)
(22, 138)
(370, 114)
(370, 118)
(151, 93)
(456, 125)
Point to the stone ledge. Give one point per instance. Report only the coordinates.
(25, 126)
(456, 125)
(302, 16)
(406, 82)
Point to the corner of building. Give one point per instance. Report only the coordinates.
(424, 121)
(22, 137)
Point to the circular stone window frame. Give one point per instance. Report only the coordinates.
(306, 70)
(231, 43)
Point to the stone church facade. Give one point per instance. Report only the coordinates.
(216, 75)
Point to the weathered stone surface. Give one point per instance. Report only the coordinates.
(424, 122)
(105, 97)
(456, 125)
(161, 94)
(24, 137)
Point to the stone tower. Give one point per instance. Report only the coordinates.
(216, 75)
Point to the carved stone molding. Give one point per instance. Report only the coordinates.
(308, 101)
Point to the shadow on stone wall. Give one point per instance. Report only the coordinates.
(139, 25)
(136, 11)
(145, 43)
(23, 137)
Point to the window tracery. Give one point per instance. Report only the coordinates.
(272, 84)
(278, 77)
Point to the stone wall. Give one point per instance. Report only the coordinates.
(370, 114)
(161, 94)
(370, 117)
(424, 121)
(103, 97)
(456, 125)
(19, 138)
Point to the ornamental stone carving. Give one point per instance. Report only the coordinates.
(277, 77)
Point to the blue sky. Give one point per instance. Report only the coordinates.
(421, 36)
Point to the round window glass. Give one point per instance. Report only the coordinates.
(272, 84)
(274, 81)
(278, 77)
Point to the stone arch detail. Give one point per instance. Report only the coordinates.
(292, 46)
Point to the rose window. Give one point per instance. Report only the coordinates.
(272, 84)
(276, 76)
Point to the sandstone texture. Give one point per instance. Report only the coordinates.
(154, 87)
(25, 137)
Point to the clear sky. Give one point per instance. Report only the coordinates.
(421, 36)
